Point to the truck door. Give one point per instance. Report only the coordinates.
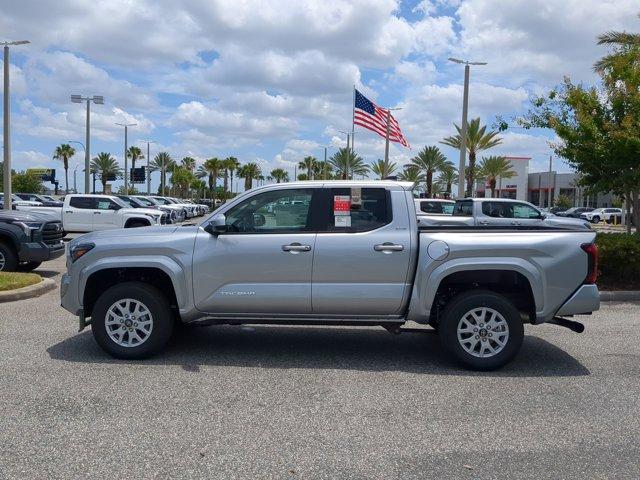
(363, 251)
(263, 264)
(78, 214)
(526, 215)
(105, 214)
(495, 213)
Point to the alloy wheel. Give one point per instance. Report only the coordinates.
(483, 332)
(128, 322)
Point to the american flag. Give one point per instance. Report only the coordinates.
(368, 115)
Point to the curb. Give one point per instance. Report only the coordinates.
(620, 296)
(28, 292)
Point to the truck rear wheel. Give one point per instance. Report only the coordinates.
(132, 320)
(8, 258)
(481, 330)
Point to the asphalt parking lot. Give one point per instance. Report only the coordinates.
(303, 402)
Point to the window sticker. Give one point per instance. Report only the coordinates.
(341, 205)
(356, 197)
(103, 205)
(342, 220)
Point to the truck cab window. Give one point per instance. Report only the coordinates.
(279, 211)
(81, 202)
(373, 211)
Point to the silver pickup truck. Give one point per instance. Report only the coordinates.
(330, 253)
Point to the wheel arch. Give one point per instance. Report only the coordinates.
(168, 277)
(130, 220)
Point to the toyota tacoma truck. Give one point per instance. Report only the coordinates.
(27, 240)
(331, 253)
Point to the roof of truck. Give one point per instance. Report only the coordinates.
(349, 183)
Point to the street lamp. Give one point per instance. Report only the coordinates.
(74, 171)
(98, 100)
(6, 126)
(324, 170)
(126, 162)
(463, 130)
(148, 142)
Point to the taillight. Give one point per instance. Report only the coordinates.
(592, 254)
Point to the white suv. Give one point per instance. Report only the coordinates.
(605, 214)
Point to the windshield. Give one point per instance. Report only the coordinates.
(162, 201)
(49, 197)
(145, 201)
(127, 201)
(120, 202)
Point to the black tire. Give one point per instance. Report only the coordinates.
(8, 258)
(158, 306)
(463, 303)
(28, 266)
(596, 219)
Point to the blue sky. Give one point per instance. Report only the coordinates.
(270, 81)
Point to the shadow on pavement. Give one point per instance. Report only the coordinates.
(325, 348)
(46, 273)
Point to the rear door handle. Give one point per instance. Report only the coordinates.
(388, 247)
(483, 222)
(97, 213)
(68, 211)
(296, 247)
(515, 223)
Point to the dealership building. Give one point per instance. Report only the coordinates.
(536, 187)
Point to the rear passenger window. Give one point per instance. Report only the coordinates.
(357, 209)
(81, 202)
(463, 209)
(498, 209)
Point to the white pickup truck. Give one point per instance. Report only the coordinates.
(88, 213)
(332, 253)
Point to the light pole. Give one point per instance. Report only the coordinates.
(98, 100)
(6, 126)
(74, 171)
(349, 135)
(148, 142)
(463, 129)
(75, 185)
(126, 160)
(324, 169)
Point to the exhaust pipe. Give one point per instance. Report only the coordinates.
(570, 324)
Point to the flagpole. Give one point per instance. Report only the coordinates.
(386, 143)
(353, 118)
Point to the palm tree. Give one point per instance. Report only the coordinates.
(211, 169)
(429, 160)
(447, 177)
(492, 168)
(478, 139)
(64, 152)
(189, 163)
(134, 153)
(105, 166)
(162, 162)
(229, 164)
(411, 173)
(628, 43)
(347, 164)
(384, 169)
(249, 172)
(322, 170)
(280, 175)
(309, 164)
(232, 166)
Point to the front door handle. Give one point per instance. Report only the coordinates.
(388, 247)
(68, 211)
(483, 222)
(515, 223)
(97, 213)
(296, 247)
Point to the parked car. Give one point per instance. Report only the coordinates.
(134, 202)
(606, 214)
(27, 240)
(500, 212)
(189, 210)
(89, 212)
(45, 200)
(574, 212)
(557, 210)
(434, 206)
(181, 212)
(345, 253)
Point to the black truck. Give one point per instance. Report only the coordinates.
(27, 240)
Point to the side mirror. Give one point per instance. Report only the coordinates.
(217, 225)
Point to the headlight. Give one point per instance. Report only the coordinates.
(79, 250)
(28, 227)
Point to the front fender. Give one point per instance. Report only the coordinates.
(166, 264)
(424, 290)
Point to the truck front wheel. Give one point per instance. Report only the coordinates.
(8, 258)
(481, 330)
(132, 320)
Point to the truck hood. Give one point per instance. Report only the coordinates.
(113, 235)
(139, 211)
(16, 215)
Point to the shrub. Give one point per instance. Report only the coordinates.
(619, 259)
